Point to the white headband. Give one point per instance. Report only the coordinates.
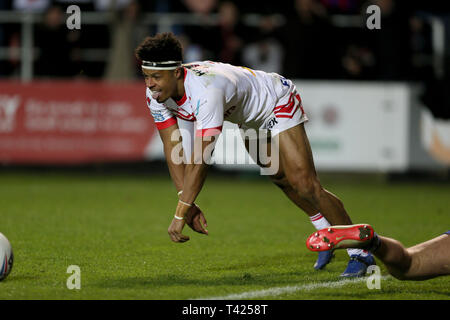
(161, 65)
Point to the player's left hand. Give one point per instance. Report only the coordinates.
(196, 220)
(175, 229)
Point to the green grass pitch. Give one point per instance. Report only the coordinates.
(115, 229)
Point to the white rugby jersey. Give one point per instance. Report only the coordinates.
(215, 92)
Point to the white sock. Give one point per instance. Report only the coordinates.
(319, 221)
(358, 252)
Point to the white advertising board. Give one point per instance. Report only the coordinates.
(353, 126)
(357, 126)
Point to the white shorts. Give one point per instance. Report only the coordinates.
(286, 114)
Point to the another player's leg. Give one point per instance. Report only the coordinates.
(428, 260)
(423, 261)
(297, 162)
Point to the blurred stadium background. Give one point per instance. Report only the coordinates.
(378, 100)
(74, 100)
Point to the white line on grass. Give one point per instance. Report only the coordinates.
(286, 290)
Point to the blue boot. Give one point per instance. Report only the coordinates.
(323, 259)
(357, 266)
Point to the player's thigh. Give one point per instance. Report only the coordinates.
(256, 144)
(260, 150)
(295, 151)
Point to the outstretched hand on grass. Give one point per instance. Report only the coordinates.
(196, 220)
(175, 229)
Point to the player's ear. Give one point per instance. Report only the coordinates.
(179, 73)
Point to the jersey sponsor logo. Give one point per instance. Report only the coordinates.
(157, 116)
(198, 107)
(284, 81)
(199, 104)
(198, 69)
(271, 123)
(192, 65)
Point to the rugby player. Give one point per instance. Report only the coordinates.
(198, 98)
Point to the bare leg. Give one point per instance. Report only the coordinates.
(298, 179)
(394, 255)
(297, 162)
(280, 180)
(423, 261)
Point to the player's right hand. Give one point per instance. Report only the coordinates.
(196, 220)
(175, 229)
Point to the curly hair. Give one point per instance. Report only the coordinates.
(161, 47)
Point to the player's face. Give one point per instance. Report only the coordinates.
(162, 83)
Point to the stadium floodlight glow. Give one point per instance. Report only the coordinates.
(161, 65)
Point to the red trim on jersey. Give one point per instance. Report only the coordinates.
(208, 132)
(287, 110)
(290, 101)
(300, 101)
(287, 115)
(283, 105)
(165, 124)
(182, 100)
(186, 116)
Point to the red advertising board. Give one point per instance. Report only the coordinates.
(73, 122)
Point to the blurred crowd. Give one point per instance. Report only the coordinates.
(301, 39)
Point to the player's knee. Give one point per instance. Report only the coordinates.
(307, 186)
(280, 180)
(401, 263)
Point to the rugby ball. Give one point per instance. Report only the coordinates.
(6, 257)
